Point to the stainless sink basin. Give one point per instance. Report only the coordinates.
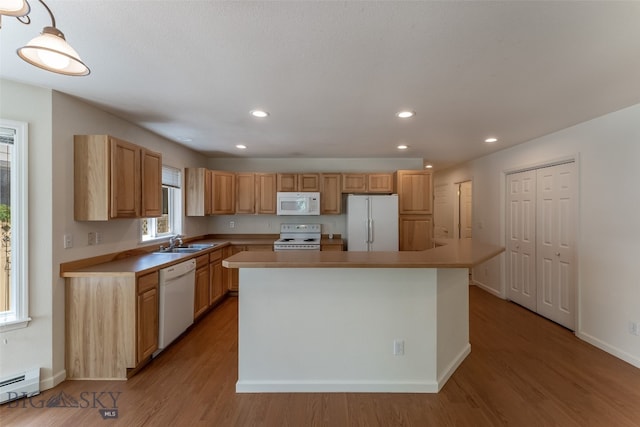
(203, 245)
(192, 248)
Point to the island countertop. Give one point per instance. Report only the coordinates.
(465, 253)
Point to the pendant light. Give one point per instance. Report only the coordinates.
(49, 51)
(14, 8)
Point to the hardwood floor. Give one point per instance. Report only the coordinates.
(523, 370)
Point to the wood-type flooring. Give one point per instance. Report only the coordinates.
(523, 370)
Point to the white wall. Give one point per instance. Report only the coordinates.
(270, 224)
(53, 119)
(33, 346)
(607, 150)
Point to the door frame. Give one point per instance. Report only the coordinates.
(575, 158)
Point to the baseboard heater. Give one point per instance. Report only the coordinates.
(24, 384)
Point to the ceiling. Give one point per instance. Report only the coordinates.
(333, 74)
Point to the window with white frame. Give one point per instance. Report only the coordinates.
(170, 222)
(14, 254)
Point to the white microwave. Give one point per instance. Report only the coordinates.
(298, 203)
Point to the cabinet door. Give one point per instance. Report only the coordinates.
(201, 302)
(308, 182)
(151, 184)
(217, 289)
(354, 183)
(266, 193)
(415, 232)
(245, 193)
(330, 193)
(287, 182)
(223, 192)
(380, 183)
(414, 192)
(125, 179)
(147, 318)
(197, 184)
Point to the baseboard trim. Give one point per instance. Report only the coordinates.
(336, 387)
(614, 351)
(455, 363)
(487, 288)
(52, 381)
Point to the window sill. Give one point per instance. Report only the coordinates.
(10, 325)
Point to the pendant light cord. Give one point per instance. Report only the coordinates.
(27, 19)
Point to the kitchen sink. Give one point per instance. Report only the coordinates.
(203, 245)
(192, 248)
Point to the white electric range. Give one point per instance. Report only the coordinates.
(298, 237)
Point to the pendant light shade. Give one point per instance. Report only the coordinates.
(14, 7)
(50, 51)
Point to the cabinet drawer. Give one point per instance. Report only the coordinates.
(202, 261)
(215, 256)
(148, 281)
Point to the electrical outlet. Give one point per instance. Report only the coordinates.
(232, 224)
(91, 238)
(68, 241)
(398, 347)
(98, 237)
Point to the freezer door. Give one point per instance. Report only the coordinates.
(384, 223)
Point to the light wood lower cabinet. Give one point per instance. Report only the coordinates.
(148, 316)
(201, 300)
(416, 232)
(217, 288)
(111, 324)
(331, 247)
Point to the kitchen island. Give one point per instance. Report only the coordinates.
(354, 321)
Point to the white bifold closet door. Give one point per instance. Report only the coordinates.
(541, 234)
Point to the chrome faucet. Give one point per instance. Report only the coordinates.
(173, 240)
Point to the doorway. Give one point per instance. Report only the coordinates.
(540, 241)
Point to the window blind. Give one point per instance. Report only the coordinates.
(171, 176)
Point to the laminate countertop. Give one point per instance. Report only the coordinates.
(465, 253)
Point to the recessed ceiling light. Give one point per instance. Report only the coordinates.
(184, 139)
(402, 147)
(429, 166)
(405, 114)
(259, 114)
(241, 146)
(490, 140)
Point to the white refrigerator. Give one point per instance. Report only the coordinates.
(372, 223)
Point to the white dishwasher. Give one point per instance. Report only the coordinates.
(177, 293)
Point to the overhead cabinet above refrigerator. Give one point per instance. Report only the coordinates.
(372, 223)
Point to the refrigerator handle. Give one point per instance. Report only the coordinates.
(368, 221)
(370, 234)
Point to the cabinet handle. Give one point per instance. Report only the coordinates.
(557, 253)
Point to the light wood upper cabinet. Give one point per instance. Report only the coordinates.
(368, 183)
(266, 193)
(380, 183)
(330, 193)
(151, 184)
(255, 193)
(245, 193)
(197, 191)
(416, 232)
(300, 182)
(115, 179)
(354, 182)
(308, 182)
(223, 192)
(414, 192)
